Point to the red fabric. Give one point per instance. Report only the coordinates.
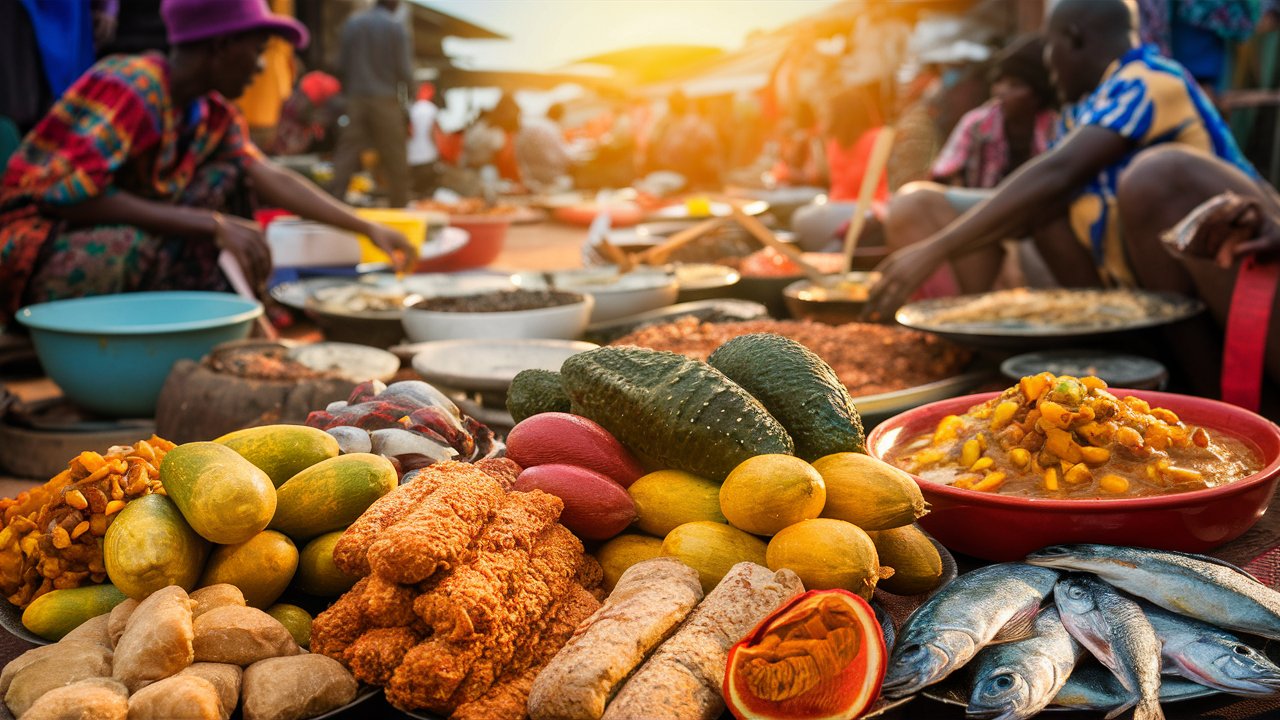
(319, 87)
(449, 145)
(846, 166)
(1246, 341)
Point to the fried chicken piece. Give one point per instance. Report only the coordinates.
(333, 630)
(503, 470)
(375, 655)
(509, 695)
(434, 670)
(439, 530)
(455, 607)
(591, 577)
(349, 553)
(386, 604)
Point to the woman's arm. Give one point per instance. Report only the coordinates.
(283, 188)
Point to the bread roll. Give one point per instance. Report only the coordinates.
(241, 636)
(70, 663)
(182, 697)
(157, 640)
(93, 630)
(118, 619)
(648, 603)
(215, 596)
(224, 677)
(294, 688)
(93, 699)
(682, 679)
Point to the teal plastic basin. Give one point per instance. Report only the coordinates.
(111, 354)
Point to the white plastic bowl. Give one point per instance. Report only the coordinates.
(562, 322)
(616, 296)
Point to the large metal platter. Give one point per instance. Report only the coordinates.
(1019, 334)
(11, 620)
(880, 407)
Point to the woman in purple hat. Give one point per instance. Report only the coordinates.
(141, 173)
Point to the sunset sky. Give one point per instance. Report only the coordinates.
(546, 34)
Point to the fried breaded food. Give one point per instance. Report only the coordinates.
(333, 630)
(504, 470)
(386, 604)
(351, 551)
(375, 655)
(293, 688)
(182, 697)
(157, 641)
(508, 697)
(438, 531)
(224, 677)
(241, 636)
(93, 699)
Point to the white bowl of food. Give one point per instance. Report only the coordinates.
(616, 295)
(506, 314)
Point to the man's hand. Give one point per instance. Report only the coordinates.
(244, 240)
(397, 247)
(901, 274)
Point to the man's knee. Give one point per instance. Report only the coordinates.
(912, 211)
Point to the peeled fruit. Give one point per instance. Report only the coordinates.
(595, 507)
(261, 567)
(317, 573)
(869, 493)
(917, 566)
(819, 656)
(769, 492)
(624, 551)
(294, 619)
(667, 499)
(712, 549)
(828, 554)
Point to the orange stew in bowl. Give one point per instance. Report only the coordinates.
(1064, 437)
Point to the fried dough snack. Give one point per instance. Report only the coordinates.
(469, 590)
(92, 699)
(52, 535)
(157, 641)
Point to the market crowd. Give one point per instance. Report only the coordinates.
(1058, 157)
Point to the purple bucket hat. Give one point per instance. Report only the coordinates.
(192, 20)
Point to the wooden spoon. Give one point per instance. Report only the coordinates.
(659, 254)
(871, 179)
(766, 236)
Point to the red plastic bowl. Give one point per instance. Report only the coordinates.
(488, 235)
(1001, 528)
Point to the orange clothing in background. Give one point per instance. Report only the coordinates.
(262, 101)
(847, 165)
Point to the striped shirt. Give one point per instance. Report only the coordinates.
(1149, 100)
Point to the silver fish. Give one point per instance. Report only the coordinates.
(1093, 687)
(1192, 585)
(1018, 679)
(1114, 630)
(1210, 656)
(997, 602)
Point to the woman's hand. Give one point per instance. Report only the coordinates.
(397, 247)
(901, 274)
(246, 243)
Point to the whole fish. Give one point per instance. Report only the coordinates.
(997, 602)
(1210, 656)
(1016, 680)
(1114, 630)
(886, 625)
(1192, 585)
(1093, 687)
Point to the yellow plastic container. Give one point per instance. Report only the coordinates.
(413, 223)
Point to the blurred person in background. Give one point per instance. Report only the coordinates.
(309, 118)
(262, 102)
(375, 64)
(422, 152)
(143, 172)
(687, 143)
(541, 154)
(989, 142)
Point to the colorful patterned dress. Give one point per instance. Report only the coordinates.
(116, 129)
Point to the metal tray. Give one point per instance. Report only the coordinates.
(1018, 334)
(875, 409)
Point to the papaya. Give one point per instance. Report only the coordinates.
(282, 451)
(712, 549)
(58, 612)
(150, 546)
(317, 573)
(224, 497)
(331, 494)
(262, 567)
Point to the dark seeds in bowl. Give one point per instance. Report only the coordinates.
(504, 301)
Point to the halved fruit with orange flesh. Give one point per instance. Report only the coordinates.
(819, 657)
